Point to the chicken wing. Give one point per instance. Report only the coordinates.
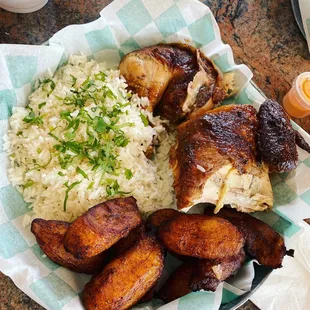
(276, 138)
(214, 161)
(208, 274)
(102, 226)
(177, 78)
(50, 237)
(261, 241)
(201, 236)
(126, 279)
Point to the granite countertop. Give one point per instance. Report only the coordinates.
(262, 34)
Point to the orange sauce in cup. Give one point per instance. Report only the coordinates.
(297, 101)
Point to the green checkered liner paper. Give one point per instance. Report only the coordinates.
(126, 25)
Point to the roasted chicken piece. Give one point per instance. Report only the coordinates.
(102, 226)
(177, 79)
(208, 274)
(201, 236)
(261, 241)
(214, 161)
(276, 138)
(178, 283)
(126, 279)
(50, 237)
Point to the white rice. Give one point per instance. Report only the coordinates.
(34, 164)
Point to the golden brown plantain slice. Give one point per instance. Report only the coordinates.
(149, 294)
(126, 279)
(261, 241)
(208, 274)
(50, 235)
(124, 244)
(201, 236)
(102, 226)
(178, 283)
(159, 217)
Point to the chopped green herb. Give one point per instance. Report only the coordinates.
(73, 80)
(81, 172)
(121, 140)
(31, 118)
(128, 174)
(41, 105)
(144, 119)
(51, 84)
(100, 125)
(39, 150)
(58, 98)
(61, 174)
(87, 83)
(69, 188)
(55, 137)
(91, 185)
(19, 133)
(113, 187)
(70, 135)
(28, 184)
(100, 76)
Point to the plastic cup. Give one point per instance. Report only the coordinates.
(297, 101)
(22, 6)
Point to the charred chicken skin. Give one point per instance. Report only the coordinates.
(177, 79)
(214, 161)
(276, 138)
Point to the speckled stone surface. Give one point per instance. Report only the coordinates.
(262, 33)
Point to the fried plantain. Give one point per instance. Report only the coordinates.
(149, 294)
(101, 227)
(159, 217)
(178, 283)
(126, 279)
(201, 236)
(50, 235)
(261, 241)
(208, 274)
(124, 244)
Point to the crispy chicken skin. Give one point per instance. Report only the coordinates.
(102, 226)
(261, 241)
(177, 78)
(214, 161)
(201, 236)
(126, 279)
(208, 274)
(300, 141)
(276, 138)
(178, 283)
(50, 235)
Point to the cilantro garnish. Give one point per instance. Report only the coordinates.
(69, 188)
(31, 118)
(128, 174)
(144, 119)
